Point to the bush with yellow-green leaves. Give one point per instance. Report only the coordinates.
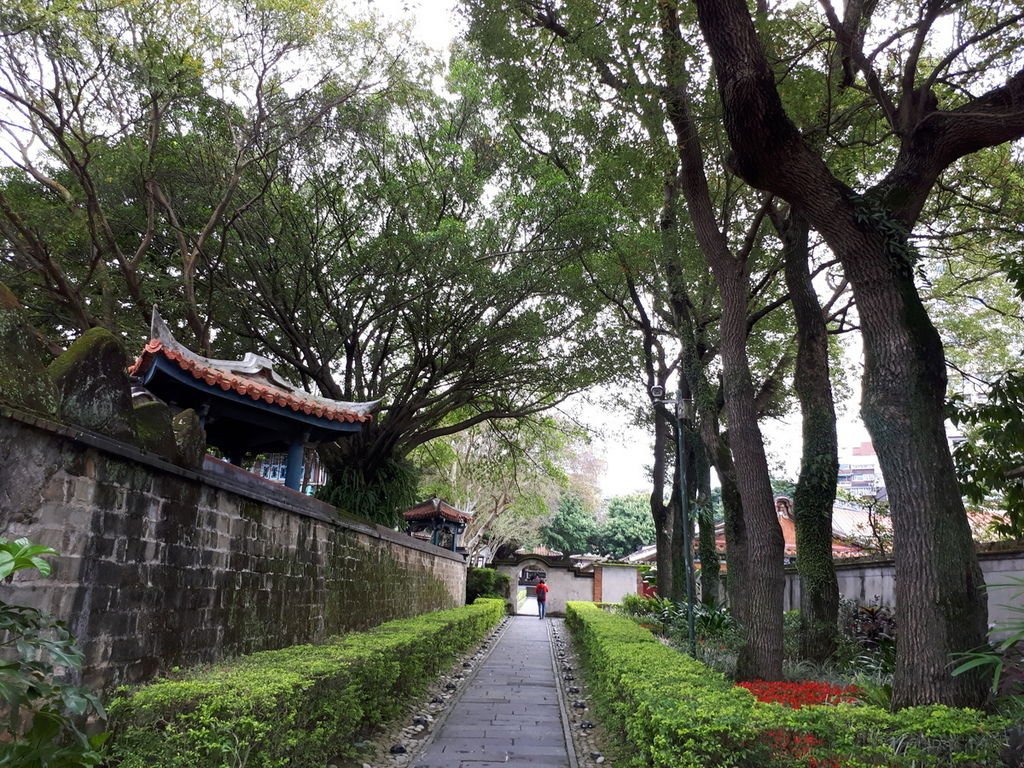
(302, 706)
(674, 712)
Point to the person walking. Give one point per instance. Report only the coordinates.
(542, 598)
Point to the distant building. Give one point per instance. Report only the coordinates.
(860, 472)
(274, 466)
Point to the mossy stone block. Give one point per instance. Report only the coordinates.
(154, 430)
(190, 438)
(92, 381)
(24, 383)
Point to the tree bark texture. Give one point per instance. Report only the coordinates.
(736, 557)
(819, 465)
(762, 654)
(708, 553)
(939, 589)
(664, 519)
(679, 574)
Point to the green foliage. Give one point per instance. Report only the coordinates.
(1005, 658)
(573, 528)
(509, 472)
(301, 707)
(36, 651)
(670, 709)
(628, 527)
(21, 554)
(380, 499)
(994, 447)
(711, 624)
(485, 582)
(866, 645)
(674, 712)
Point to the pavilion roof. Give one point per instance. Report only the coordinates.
(253, 376)
(431, 508)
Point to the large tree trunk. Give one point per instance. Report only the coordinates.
(761, 654)
(939, 586)
(939, 593)
(665, 530)
(709, 568)
(819, 464)
(736, 557)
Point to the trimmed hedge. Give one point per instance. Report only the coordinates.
(674, 712)
(485, 582)
(302, 706)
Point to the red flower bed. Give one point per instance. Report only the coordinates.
(800, 694)
(799, 746)
(803, 747)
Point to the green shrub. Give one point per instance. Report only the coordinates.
(674, 712)
(302, 706)
(485, 582)
(40, 712)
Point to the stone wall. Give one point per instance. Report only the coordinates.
(864, 582)
(163, 566)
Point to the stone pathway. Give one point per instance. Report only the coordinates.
(511, 712)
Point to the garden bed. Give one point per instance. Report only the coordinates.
(675, 713)
(303, 706)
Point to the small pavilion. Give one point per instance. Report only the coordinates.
(244, 405)
(437, 521)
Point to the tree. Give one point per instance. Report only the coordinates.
(876, 536)
(611, 102)
(371, 236)
(815, 491)
(990, 462)
(938, 579)
(136, 135)
(573, 528)
(406, 266)
(508, 473)
(626, 527)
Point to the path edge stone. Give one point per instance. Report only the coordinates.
(570, 744)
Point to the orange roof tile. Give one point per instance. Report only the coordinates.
(247, 385)
(436, 508)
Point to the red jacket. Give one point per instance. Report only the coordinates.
(542, 593)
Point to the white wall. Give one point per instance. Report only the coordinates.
(617, 582)
(862, 582)
(566, 584)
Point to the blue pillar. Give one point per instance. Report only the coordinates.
(293, 470)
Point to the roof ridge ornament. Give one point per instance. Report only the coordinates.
(251, 365)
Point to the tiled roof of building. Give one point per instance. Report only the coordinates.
(253, 376)
(431, 508)
(784, 507)
(541, 551)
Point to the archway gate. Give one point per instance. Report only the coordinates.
(603, 582)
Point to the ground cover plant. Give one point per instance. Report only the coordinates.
(301, 707)
(42, 712)
(674, 711)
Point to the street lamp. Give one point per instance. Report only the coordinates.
(680, 415)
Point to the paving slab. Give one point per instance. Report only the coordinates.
(510, 713)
